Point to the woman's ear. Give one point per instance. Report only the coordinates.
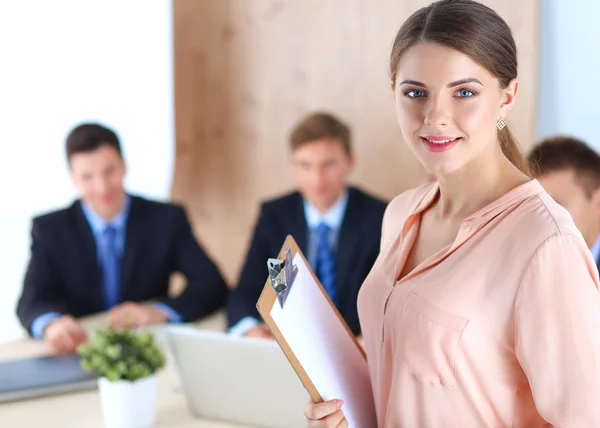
(509, 95)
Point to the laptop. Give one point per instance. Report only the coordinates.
(237, 380)
(40, 376)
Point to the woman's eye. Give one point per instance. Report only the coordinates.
(465, 93)
(414, 93)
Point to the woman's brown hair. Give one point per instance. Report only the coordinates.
(474, 30)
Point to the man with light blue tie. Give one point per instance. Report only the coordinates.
(111, 251)
(337, 226)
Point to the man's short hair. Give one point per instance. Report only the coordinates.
(88, 137)
(567, 153)
(318, 126)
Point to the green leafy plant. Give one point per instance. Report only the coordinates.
(121, 354)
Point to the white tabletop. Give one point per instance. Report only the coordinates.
(82, 409)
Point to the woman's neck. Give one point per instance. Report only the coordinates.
(476, 185)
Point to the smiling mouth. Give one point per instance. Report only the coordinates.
(446, 141)
(438, 144)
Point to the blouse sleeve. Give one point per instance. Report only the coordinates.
(557, 332)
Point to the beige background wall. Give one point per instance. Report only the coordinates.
(247, 70)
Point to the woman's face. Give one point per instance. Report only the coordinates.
(448, 106)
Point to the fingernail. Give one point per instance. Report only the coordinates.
(339, 403)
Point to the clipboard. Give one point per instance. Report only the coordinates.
(314, 337)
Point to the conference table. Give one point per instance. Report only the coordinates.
(82, 409)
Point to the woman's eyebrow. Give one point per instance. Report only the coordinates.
(450, 85)
(463, 81)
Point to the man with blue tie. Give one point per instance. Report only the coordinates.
(111, 251)
(336, 226)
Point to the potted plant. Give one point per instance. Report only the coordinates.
(125, 364)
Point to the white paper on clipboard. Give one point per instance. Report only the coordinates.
(321, 343)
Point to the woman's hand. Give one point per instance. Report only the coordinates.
(327, 414)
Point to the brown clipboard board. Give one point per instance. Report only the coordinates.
(270, 297)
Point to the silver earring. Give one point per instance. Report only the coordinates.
(500, 124)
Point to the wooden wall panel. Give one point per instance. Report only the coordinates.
(247, 70)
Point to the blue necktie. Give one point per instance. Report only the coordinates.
(326, 262)
(111, 268)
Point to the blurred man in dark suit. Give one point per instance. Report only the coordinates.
(110, 251)
(569, 170)
(336, 226)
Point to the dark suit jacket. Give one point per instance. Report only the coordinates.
(357, 249)
(64, 276)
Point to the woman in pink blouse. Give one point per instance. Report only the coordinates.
(483, 308)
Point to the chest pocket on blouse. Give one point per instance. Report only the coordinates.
(429, 340)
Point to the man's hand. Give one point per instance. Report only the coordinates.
(64, 334)
(261, 331)
(134, 315)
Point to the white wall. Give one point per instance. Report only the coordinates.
(569, 93)
(63, 62)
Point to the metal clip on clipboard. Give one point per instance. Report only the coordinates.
(282, 274)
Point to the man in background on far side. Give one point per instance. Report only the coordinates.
(569, 170)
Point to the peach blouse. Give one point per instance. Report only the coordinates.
(501, 329)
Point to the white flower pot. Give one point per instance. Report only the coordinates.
(128, 404)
